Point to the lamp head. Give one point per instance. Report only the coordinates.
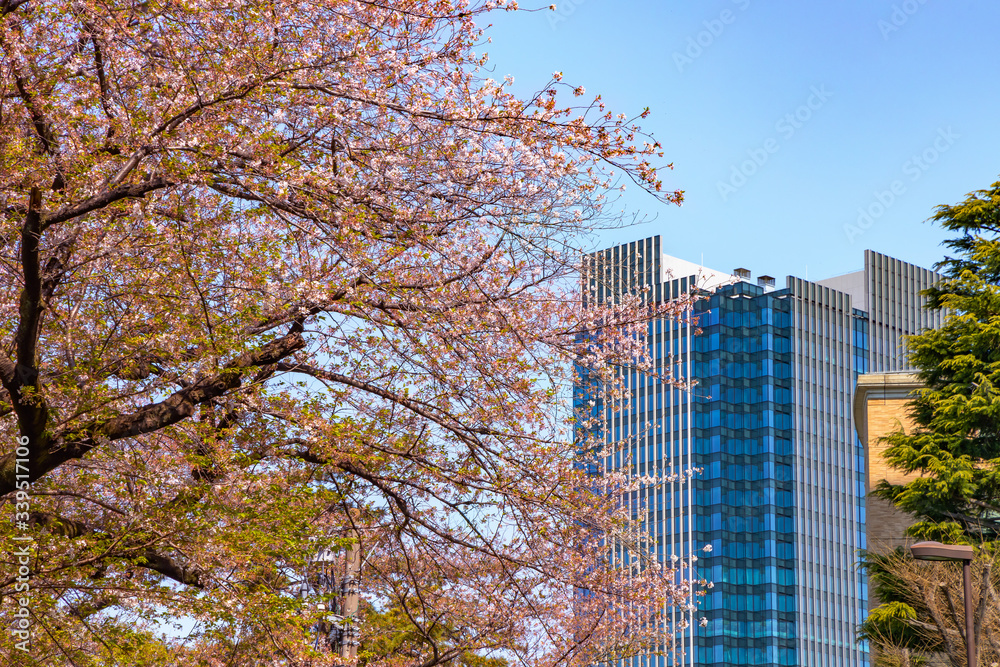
(938, 551)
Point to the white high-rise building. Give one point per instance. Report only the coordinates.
(780, 496)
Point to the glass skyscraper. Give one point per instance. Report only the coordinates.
(773, 515)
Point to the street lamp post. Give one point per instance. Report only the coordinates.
(964, 553)
(338, 630)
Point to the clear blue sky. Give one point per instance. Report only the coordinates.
(903, 95)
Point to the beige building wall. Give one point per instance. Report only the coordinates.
(880, 409)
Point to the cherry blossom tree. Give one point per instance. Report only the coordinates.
(276, 273)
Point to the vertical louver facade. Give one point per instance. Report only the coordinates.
(778, 496)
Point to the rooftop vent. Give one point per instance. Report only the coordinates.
(742, 274)
(765, 281)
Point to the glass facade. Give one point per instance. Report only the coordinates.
(767, 440)
(745, 493)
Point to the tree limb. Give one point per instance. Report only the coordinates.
(147, 557)
(21, 378)
(52, 451)
(106, 198)
(8, 6)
